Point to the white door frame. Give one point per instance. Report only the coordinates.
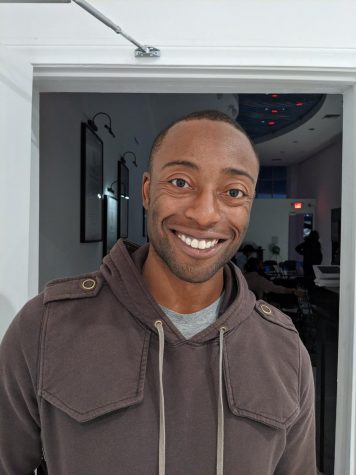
(258, 79)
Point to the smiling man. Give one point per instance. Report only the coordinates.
(163, 362)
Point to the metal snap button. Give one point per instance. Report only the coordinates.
(265, 309)
(88, 284)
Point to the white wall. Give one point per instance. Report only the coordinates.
(269, 224)
(226, 23)
(319, 177)
(15, 183)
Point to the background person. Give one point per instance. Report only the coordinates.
(260, 285)
(310, 249)
(243, 255)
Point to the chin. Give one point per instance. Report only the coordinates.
(194, 274)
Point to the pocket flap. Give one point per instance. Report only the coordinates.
(90, 366)
(263, 385)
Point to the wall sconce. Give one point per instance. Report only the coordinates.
(133, 157)
(110, 188)
(93, 126)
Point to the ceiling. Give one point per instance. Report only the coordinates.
(265, 116)
(305, 137)
(303, 125)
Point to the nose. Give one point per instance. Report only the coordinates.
(204, 209)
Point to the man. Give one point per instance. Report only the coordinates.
(163, 362)
(243, 256)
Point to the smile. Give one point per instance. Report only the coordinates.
(197, 243)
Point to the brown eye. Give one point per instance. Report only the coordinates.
(179, 183)
(235, 193)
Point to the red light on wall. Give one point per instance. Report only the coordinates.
(299, 104)
(274, 96)
(271, 122)
(298, 205)
(274, 111)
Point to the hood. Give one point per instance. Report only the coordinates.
(121, 270)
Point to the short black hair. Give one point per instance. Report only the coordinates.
(252, 265)
(248, 249)
(213, 115)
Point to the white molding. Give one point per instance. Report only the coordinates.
(345, 450)
(260, 57)
(125, 78)
(34, 198)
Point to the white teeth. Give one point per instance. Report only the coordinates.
(202, 245)
(197, 243)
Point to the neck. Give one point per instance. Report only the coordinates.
(176, 294)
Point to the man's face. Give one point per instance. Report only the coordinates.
(198, 197)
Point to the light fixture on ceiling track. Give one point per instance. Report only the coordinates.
(142, 51)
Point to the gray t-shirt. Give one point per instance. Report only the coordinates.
(189, 324)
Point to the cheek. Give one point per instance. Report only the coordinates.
(165, 204)
(161, 207)
(240, 216)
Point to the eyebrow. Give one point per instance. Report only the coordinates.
(185, 163)
(238, 172)
(227, 171)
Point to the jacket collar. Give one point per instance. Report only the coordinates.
(122, 271)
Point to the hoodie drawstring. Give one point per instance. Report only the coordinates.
(220, 435)
(162, 422)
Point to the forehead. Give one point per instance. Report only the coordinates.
(206, 142)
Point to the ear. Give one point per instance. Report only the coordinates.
(146, 182)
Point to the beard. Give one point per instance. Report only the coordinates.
(192, 273)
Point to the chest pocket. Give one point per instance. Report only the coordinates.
(91, 363)
(262, 375)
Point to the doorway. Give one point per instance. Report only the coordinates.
(50, 77)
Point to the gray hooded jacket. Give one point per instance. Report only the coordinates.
(96, 377)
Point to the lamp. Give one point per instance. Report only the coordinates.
(92, 124)
(110, 188)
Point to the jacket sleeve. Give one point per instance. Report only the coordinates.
(299, 456)
(20, 444)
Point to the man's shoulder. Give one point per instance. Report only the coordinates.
(75, 287)
(274, 316)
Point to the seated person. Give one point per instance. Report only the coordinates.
(261, 285)
(241, 258)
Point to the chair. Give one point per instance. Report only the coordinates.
(289, 268)
(270, 268)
